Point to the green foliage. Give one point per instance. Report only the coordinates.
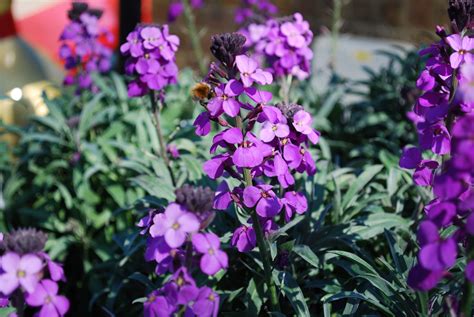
(86, 172)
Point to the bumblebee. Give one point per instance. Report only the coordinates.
(202, 91)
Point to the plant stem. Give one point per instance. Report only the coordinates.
(285, 88)
(467, 299)
(262, 242)
(194, 36)
(156, 109)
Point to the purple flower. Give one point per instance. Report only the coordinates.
(470, 271)
(411, 158)
(467, 83)
(299, 158)
(426, 81)
(213, 259)
(302, 122)
(202, 124)
(158, 250)
(262, 196)
(293, 34)
(223, 198)
(274, 127)
(462, 47)
(19, 271)
(439, 255)
(422, 279)
(151, 59)
(249, 153)
(134, 45)
(157, 306)
(244, 239)
(175, 10)
(174, 224)
(207, 303)
(46, 296)
(82, 50)
(250, 73)
(214, 168)
(173, 150)
(441, 213)
(424, 173)
(151, 37)
(294, 202)
(226, 99)
(435, 137)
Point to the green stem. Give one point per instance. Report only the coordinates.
(262, 242)
(467, 299)
(156, 109)
(194, 36)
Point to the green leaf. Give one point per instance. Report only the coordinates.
(307, 254)
(359, 184)
(87, 115)
(293, 292)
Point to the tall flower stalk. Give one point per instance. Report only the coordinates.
(151, 64)
(444, 117)
(232, 97)
(194, 36)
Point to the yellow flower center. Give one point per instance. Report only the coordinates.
(211, 251)
(176, 226)
(21, 274)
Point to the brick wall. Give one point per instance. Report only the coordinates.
(409, 20)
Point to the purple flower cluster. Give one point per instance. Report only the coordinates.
(82, 47)
(444, 118)
(177, 243)
(176, 8)
(151, 59)
(283, 44)
(270, 157)
(255, 11)
(27, 273)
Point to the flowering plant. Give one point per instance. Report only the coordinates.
(28, 275)
(82, 47)
(443, 115)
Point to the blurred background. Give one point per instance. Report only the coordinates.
(349, 33)
(406, 20)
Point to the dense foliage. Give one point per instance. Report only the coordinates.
(103, 173)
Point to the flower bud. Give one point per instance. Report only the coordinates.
(24, 241)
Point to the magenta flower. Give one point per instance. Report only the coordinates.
(435, 137)
(226, 99)
(466, 85)
(275, 126)
(262, 196)
(133, 45)
(214, 168)
(293, 34)
(202, 124)
(302, 122)
(223, 197)
(207, 303)
(244, 239)
(151, 37)
(299, 158)
(294, 202)
(213, 259)
(19, 271)
(249, 153)
(463, 47)
(250, 73)
(174, 224)
(157, 306)
(46, 295)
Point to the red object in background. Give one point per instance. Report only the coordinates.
(42, 28)
(8, 25)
